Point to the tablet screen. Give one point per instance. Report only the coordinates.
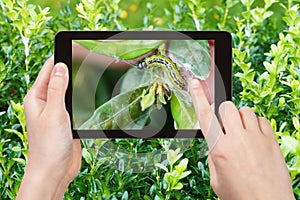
(127, 87)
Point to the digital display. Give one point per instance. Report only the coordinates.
(138, 84)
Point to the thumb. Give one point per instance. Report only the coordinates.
(57, 88)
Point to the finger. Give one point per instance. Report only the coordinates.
(230, 117)
(249, 119)
(208, 121)
(202, 107)
(265, 126)
(209, 84)
(36, 96)
(212, 172)
(41, 83)
(57, 88)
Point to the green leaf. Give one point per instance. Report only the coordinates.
(45, 10)
(122, 49)
(185, 174)
(288, 145)
(12, 15)
(173, 156)
(146, 197)
(159, 165)
(296, 123)
(247, 3)
(9, 4)
(269, 67)
(168, 178)
(158, 197)
(20, 160)
(3, 73)
(19, 113)
(135, 78)
(183, 164)
(193, 55)
(20, 135)
(87, 156)
(121, 112)
(148, 99)
(183, 110)
(125, 196)
(16, 148)
(178, 186)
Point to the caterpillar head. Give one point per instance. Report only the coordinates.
(141, 65)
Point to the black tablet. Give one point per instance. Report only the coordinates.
(134, 84)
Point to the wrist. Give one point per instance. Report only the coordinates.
(37, 184)
(41, 183)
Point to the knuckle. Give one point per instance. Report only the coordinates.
(218, 154)
(225, 107)
(246, 109)
(56, 85)
(205, 112)
(227, 103)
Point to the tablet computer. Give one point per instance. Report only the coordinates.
(134, 84)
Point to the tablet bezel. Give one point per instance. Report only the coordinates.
(223, 61)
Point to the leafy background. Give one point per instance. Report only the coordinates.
(266, 41)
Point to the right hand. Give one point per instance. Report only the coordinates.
(245, 160)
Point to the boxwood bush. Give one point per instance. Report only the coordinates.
(266, 59)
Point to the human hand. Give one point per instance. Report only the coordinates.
(54, 158)
(245, 160)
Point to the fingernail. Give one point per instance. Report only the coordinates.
(59, 70)
(194, 83)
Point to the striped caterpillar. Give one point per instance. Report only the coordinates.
(168, 65)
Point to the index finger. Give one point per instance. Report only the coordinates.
(209, 123)
(37, 95)
(41, 83)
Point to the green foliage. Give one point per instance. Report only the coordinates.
(173, 175)
(266, 78)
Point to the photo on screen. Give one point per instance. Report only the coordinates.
(139, 84)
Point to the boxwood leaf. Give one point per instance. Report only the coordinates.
(178, 186)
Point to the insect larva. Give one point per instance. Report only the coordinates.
(168, 65)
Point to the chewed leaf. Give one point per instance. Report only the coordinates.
(193, 55)
(135, 78)
(121, 49)
(121, 112)
(183, 110)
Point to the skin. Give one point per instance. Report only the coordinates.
(245, 162)
(54, 158)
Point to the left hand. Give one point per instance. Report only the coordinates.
(54, 157)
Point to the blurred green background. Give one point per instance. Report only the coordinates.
(133, 11)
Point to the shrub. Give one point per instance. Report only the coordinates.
(266, 78)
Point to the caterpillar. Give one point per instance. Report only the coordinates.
(168, 65)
